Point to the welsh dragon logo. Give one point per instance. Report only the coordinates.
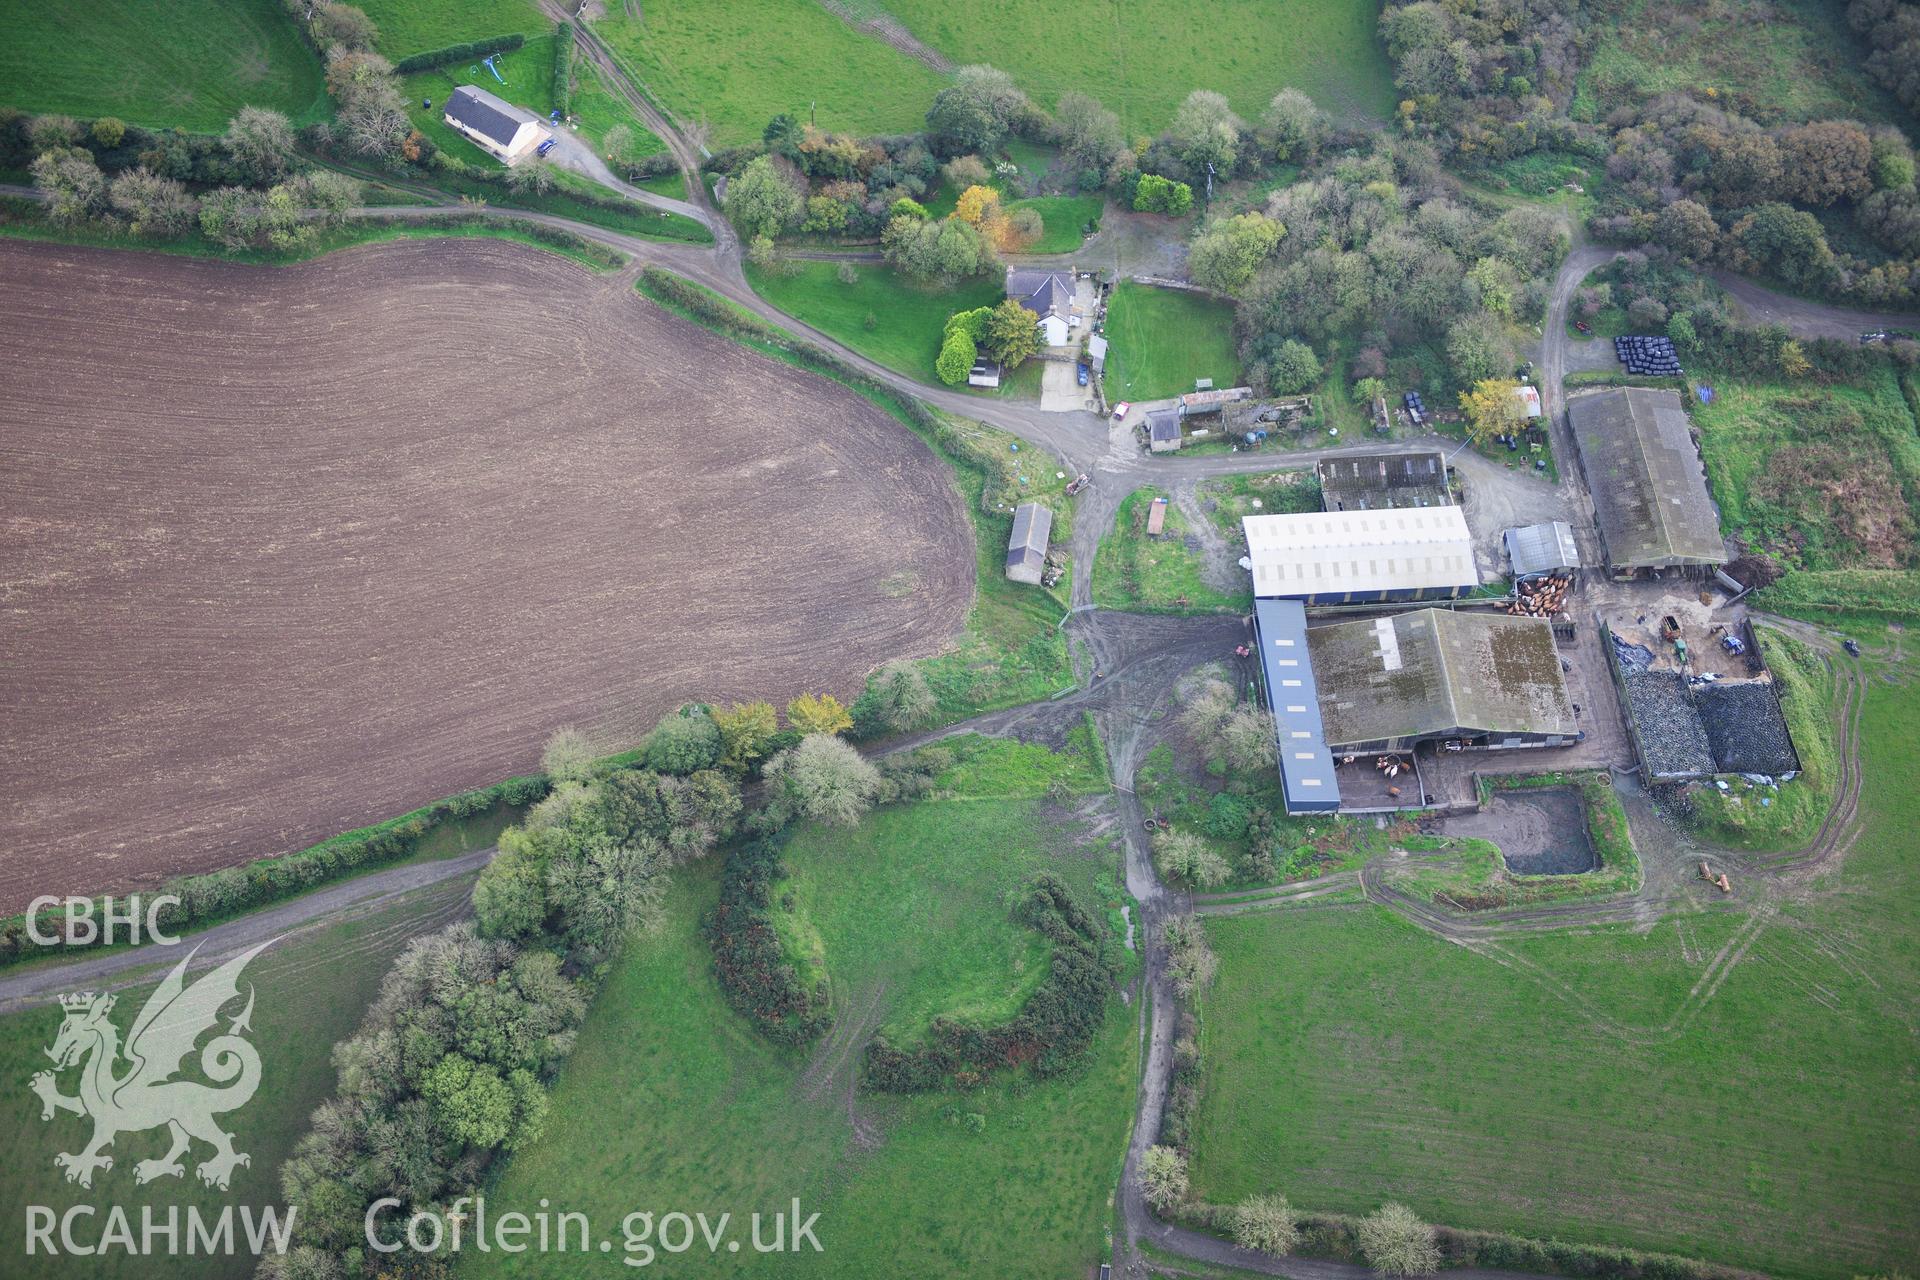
(132, 1088)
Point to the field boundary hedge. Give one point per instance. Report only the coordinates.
(1051, 1032)
(212, 896)
(563, 67)
(471, 51)
(1335, 1236)
(754, 972)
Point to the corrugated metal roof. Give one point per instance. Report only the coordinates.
(1434, 671)
(1336, 552)
(1032, 525)
(1542, 548)
(1381, 480)
(1213, 399)
(1306, 765)
(1649, 489)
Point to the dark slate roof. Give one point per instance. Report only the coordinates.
(480, 111)
(1163, 424)
(1306, 766)
(1045, 293)
(1746, 729)
(1649, 490)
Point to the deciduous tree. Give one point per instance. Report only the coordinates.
(1230, 250)
(1163, 1178)
(1012, 333)
(1265, 1223)
(818, 713)
(762, 200)
(1396, 1243)
(1492, 409)
(824, 779)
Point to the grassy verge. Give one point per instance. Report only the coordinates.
(581, 200)
(907, 318)
(189, 63)
(1161, 340)
(1012, 650)
(1244, 819)
(1267, 493)
(20, 218)
(1736, 817)
(1159, 573)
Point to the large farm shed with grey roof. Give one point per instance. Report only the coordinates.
(1389, 684)
(1362, 557)
(1649, 488)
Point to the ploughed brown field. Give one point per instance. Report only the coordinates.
(291, 550)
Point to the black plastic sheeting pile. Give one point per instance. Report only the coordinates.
(1648, 357)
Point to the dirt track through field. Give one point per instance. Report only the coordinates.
(291, 550)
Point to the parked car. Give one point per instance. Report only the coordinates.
(1080, 371)
(548, 145)
(1583, 326)
(1120, 410)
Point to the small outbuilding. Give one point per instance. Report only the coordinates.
(504, 131)
(1163, 429)
(1538, 549)
(1097, 353)
(1027, 548)
(985, 373)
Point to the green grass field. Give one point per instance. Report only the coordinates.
(908, 318)
(312, 991)
(1063, 220)
(1766, 1121)
(1155, 574)
(671, 1101)
(417, 26)
(1141, 57)
(737, 66)
(1162, 339)
(190, 63)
